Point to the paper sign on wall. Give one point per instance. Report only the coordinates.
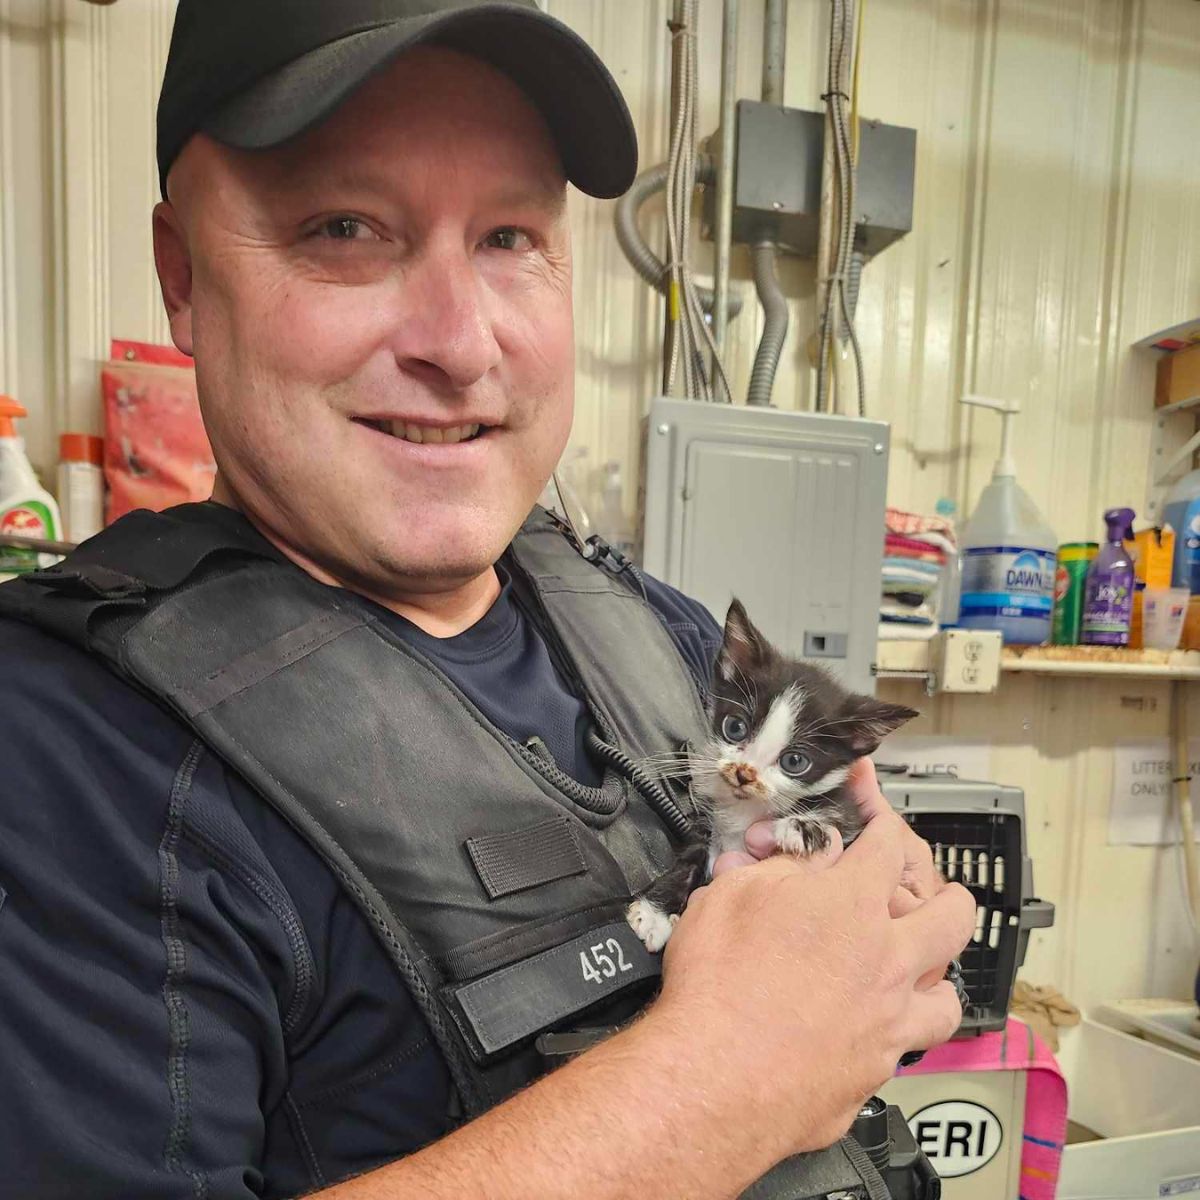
(931, 755)
(1142, 812)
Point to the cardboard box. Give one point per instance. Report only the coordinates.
(1154, 552)
(1191, 626)
(1178, 377)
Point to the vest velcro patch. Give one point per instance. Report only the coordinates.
(524, 858)
(515, 1002)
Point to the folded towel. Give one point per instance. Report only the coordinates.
(938, 541)
(907, 616)
(906, 547)
(910, 524)
(890, 584)
(908, 599)
(911, 566)
(895, 631)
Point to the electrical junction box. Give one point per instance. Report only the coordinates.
(777, 180)
(784, 510)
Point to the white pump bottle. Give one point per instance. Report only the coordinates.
(1008, 551)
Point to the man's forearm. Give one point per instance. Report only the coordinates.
(631, 1119)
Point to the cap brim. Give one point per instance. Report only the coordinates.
(557, 69)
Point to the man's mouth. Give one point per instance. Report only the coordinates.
(425, 435)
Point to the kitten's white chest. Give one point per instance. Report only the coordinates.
(730, 822)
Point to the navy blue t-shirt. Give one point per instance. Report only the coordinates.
(189, 1003)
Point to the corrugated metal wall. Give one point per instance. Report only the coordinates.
(1057, 219)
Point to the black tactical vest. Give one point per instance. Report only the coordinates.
(495, 882)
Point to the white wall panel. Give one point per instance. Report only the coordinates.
(1057, 219)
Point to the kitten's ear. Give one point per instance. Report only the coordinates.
(875, 720)
(743, 648)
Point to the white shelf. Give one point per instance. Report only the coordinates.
(1165, 410)
(1095, 661)
(910, 660)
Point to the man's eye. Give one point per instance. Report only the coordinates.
(734, 729)
(345, 229)
(793, 763)
(508, 239)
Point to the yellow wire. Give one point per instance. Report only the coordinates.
(858, 31)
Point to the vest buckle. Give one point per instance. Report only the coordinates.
(597, 550)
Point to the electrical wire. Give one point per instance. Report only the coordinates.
(836, 304)
(691, 334)
(858, 32)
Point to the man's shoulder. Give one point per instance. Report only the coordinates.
(691, 626)
(50, 685)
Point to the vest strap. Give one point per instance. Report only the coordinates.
(525, 858)
(504, 1008)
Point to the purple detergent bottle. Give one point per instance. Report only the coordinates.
(1108, 598)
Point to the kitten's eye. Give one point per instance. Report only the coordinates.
(792, 762)
(734, 729)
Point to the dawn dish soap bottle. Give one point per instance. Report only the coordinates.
(1108, 594)
(26, 508)
(1008, 552)
(1182, 513)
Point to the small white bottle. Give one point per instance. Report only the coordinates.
(81, 485)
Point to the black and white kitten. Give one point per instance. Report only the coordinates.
(784, 737)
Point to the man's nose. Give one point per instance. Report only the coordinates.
(746, 774)
(445, 331)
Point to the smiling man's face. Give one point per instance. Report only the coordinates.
(380, 312)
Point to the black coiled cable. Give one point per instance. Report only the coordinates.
(653, 791)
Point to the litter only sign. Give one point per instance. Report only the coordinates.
(958, 1136)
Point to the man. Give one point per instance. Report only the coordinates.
(272, 887)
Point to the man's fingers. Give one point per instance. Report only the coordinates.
(938, 928)
(760, 839)
(902, 902)
(863, 786)
(919, 876)
(877, 855)
(730, 861)
(935, 1016)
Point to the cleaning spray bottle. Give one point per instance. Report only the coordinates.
(26, 508)
(1108, 598)
(1008, 552)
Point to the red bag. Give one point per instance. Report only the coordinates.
(156, 452)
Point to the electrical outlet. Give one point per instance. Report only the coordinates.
(966, 660)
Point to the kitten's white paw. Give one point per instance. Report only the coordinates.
(801, 836)
(651, 924)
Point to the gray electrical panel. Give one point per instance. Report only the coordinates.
(777, 180)
(784, 510)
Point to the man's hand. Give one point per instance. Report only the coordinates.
(822, 971)
(919, 880)
(790, 991)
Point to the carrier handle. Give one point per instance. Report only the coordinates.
(1036, 914)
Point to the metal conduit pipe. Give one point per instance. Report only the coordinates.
(723, 233)
(775, 324)
(643, 260)
(774, 51)
(766, 283)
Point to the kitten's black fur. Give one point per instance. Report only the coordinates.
(830, 729)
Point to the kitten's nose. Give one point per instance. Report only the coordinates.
(746, 774)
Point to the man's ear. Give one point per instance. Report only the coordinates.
(173, 260)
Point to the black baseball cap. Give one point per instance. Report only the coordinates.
(253, 73)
